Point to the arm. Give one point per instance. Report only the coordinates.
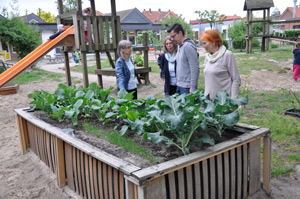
(120, 74)
(160, 63)
(193, 61)
(234, 75)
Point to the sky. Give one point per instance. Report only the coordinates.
(187, 9)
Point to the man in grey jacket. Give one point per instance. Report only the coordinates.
(187, 60)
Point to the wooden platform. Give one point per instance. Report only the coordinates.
(9, 89)
(138, 70)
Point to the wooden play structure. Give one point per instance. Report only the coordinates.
(104, 34)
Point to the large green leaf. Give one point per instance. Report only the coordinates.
(156, 137)
(230, 119)
(89, 94)
(132, 115)
(123, 129)
(241, 101)
(78, 104)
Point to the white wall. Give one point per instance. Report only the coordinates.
(45, 35)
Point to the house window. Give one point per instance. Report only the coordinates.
(296, 27)
(33, 21)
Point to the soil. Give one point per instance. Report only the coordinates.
(25, 176)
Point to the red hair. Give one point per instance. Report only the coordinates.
(212, 36)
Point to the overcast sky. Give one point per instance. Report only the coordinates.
(186, 8)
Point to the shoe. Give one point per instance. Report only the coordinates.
(298, 80)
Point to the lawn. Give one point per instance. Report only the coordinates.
(265, 109)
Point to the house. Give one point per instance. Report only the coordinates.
(134, 23)
(288, 14)
(199, 27)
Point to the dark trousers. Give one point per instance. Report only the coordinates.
(172, 90)
(134, 94)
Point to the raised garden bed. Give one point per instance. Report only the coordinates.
(293, 112)
(9, 89)
(229, 169)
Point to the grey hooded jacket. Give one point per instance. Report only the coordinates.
(187, 69)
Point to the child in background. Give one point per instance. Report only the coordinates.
(296, 63)
(86, 12)
(139, 60)
(60, 29)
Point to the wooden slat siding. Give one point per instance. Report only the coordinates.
(181, 183)
(205, 179)
(105, 181)
(45, 147)
(112, 71)
(110, 181)
(113, 30)
(190, 183)
(245, 171)
(101, 33)
(156, 188)
(52, 144)
(107, 46)
(220, 176)
(85, 70)
(96, 33)
(233, 173)
(254, 166)
(100, 179)
(60, 162)
(118, 30)
(239, 172)
(95, 178)
(53, 140)
(213, 182)
(36, 142)
(83, 180)
(87, 176)
(79, 172)
(116, 183)
(81, 32)
(267, 163)
(226, 175)
(172, 185)
(91, 171)
(75, 169)
(30, 135)
(76, 31)
(89, 32)
(21, 130)
(122, 185)
(198, 178)
(40, 140)
(69, 166)
(49, 151)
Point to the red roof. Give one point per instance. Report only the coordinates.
(228, 18)
(291, 10)
(98, 13)
(156, 16)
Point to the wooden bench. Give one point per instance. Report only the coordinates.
(141, 73)
(5, 65)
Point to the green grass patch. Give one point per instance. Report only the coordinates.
(37, 75)
(279, 171)
(115, 138)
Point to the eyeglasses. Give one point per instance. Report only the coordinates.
(173, 36)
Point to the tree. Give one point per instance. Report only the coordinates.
(211, 17)
(168, 21)
(46, 16)
(69, 5)
(24, 37)
(238, 32)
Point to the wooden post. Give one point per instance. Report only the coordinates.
(268, 29)
(263, 42)
(67, 67)
(85, 70)
(267, 163)
(250, 32)
(98, 65)
(146, 58)
(23, 133)
(247, 33)
(60, 162)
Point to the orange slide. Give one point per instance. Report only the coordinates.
(65, 38)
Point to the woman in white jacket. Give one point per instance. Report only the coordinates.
(220, 72)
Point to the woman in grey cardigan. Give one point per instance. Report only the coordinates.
(125, 71)
(220, 72)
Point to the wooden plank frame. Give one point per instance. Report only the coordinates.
(230, 169)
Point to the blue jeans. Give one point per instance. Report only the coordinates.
(182, 90)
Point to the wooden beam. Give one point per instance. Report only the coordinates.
(267, 163)
(60, 162)
(67, 67)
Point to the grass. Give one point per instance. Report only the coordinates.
(115, 138)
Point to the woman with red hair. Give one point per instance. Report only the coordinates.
(220, 72)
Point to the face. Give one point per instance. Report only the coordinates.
(208, 46)
(170, 45)
(127, 50)
(174, 36)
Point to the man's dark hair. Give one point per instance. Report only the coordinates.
(176, 27)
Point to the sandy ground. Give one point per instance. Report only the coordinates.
(25, 176)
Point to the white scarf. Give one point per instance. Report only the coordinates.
(212, 58)
(170, 57)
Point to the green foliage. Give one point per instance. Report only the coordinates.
(255, 43)
(24, 37)
(239, 44)
(46, 16)
(272, 45)
(291, 33)
(69, 5)
(237, 32)
(257, 27)
(212, 17)
(225, 43)
(168, 21)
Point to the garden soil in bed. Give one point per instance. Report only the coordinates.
(159, 151)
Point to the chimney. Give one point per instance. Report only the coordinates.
(150, 10)
(294, 11)
(159, 10)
